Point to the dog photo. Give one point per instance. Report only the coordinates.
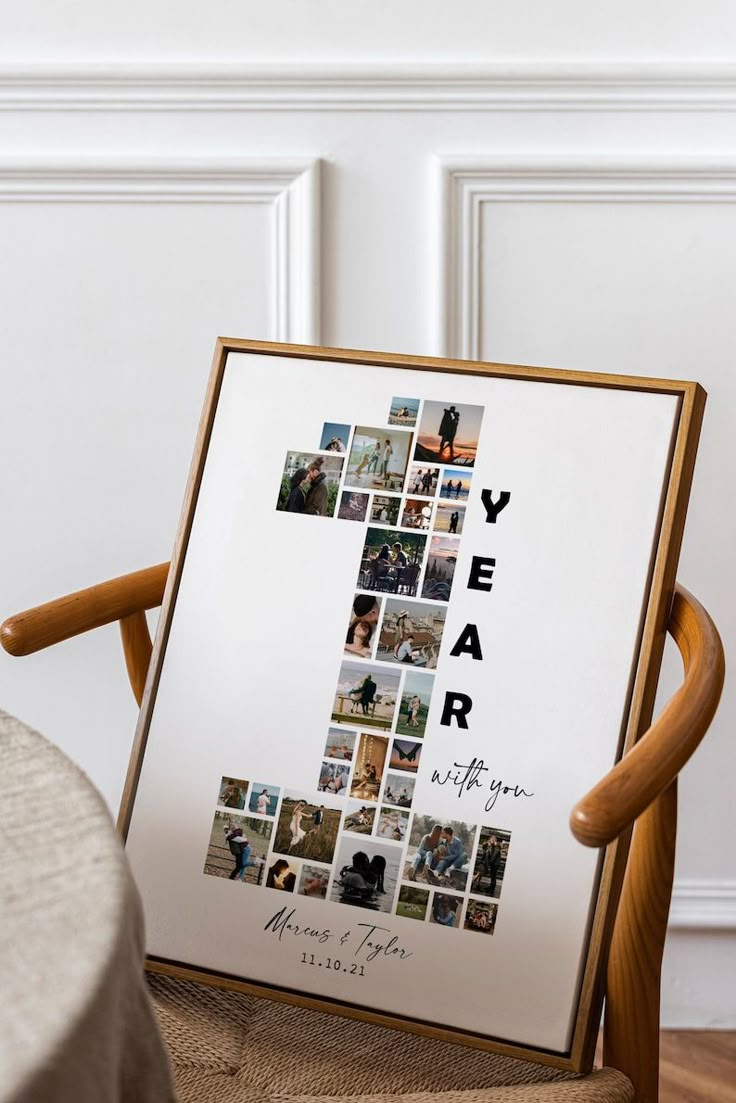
(378, 459)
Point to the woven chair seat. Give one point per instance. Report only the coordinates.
(227, 1047)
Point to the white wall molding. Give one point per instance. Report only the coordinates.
(288, 189)
(467, 185)
(526, 86)
(701, 905)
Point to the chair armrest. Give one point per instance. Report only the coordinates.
(31, 631)
(657, 758)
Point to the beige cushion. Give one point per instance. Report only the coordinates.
(231, 1048)
(76, 1024)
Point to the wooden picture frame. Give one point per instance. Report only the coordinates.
(677, 461)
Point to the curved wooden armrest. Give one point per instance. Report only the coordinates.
(657, 758)
(31, 631)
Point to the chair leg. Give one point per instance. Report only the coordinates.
(631, 1026)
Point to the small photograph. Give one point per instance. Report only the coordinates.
(313, 882)
(392, 824)
(490, 862)
(365, 696)
(232, 792)
(384, 509)
(367, 872)
(361, 636)
(417, 514)
(441, 562)
(378, 459)
(370, 761)
(335, 437)
(282, 875)
(480, 915)
(333, 778)
(422, 481)
(446, 910)
(306, 828)
(405, 755)
(411, 633)
(359, 818)
(414, 708)
(455, 485)
(309, 484)
(392, 561)
(404, 411)
(340, 745)
(448, 434)
(449, 518)
(399, 790)
(439, 852)
(412, 903)
(238, 847)
(263, 799)
(353, 506)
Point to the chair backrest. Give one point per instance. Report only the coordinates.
(641, 792)
(634, 807)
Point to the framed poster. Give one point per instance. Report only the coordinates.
(416, 610)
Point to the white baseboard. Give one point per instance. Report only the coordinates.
(699, 969)
(699, 905)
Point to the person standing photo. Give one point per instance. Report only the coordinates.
(316, 499)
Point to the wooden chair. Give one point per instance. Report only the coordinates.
(639, 792)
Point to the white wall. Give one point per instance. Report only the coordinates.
(539, 183)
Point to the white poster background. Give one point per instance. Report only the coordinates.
(255, 648)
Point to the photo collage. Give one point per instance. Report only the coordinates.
(409, 484)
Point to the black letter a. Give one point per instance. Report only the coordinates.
(468, 643)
